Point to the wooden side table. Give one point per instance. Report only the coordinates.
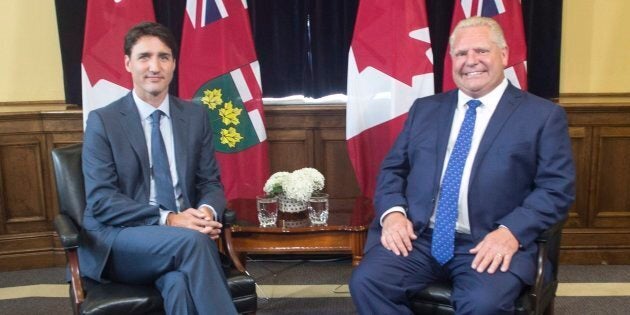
(338, 236)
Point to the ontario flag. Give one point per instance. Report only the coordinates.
(219, 69)
(509, 15)
(390, 64)
(104, 78)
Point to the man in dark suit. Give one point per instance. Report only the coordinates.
(474, 177)
(154, 195)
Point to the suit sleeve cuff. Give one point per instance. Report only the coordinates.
(393, 209)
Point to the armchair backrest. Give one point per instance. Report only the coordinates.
(69, 180)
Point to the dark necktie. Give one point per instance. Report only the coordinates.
(164, 191)
(442, 244)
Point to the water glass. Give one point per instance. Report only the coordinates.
(318, 209)
(267, 210)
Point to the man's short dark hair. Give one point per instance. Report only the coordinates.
(150, 29)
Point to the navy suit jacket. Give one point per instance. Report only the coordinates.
(522, 176)
(117, 173)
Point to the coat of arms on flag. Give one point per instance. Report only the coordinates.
(235, 130)
(219, 69)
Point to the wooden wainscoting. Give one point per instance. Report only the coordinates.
(28, 202)
(598, 230)
(315, 136)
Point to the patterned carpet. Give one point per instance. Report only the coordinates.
(319, 287)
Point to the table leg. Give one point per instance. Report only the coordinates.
(357, 240)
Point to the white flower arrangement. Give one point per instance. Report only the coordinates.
(298, 185)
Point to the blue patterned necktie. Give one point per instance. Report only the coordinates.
(442, 244)
(164, 191)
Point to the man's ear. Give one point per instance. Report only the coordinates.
(127, 59)
(505, 54)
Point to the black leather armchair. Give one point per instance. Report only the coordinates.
(537, 299)
(91, 297)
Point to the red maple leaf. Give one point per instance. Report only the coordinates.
(381, 38)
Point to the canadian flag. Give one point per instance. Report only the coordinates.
(509, 15)
(104, 78)
(390, 64)
(219, 70)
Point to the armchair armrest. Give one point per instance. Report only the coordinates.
(229, 217)
(69, 236)
(550, 233)
(67, 230)
(548, 244)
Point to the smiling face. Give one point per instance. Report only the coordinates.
(151, 64)
(478, 61)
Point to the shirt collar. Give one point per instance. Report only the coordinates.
(145, 109)
(490, 100)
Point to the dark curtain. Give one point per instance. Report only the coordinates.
(302, 45)
(70, 25)
(439, 13)
(543, 31)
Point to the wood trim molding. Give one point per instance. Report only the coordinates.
(34, 106)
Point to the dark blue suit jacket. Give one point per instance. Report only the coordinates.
(117, 174)
(522, 177)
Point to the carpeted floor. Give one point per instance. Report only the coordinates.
(319, 287)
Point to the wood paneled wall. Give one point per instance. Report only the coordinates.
(598, 230)
(28, 201)
(314, 136)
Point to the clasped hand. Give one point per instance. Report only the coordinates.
(496, 249)
(201, 220)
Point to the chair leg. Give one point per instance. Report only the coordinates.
(75, 285)
(549, 309)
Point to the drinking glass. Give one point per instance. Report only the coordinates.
(267, 210)
(318, 209)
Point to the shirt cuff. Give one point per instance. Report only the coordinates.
(211, 209)
(163, 215)
(393, 209)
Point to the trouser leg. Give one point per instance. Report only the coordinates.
(481, 293)
(384, 282)
(142, 255)
(174, 289)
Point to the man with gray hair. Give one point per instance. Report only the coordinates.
(476, 174)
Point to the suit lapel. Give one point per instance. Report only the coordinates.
(130, 123)
(180, 136)
(508, 103)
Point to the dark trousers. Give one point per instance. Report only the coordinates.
(183, 264)
(384, 282)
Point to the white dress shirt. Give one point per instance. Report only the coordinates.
(484, 113)
(166, 128)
